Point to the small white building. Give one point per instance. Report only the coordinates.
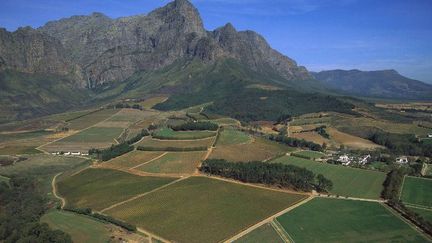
(76, 153)
(344, 159)
(402, 160)
(429, 135)
(364, 160)
(67, 153)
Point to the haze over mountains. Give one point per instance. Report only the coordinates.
(167, 51)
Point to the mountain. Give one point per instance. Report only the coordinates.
(112, 50)
(382, 84)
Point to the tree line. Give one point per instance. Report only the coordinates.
(21, 207)
(295, 142)
(195, 126)
(406, 144)
(172, 149)
(276, 174)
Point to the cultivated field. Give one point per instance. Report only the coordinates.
(347, 181)
(417, 191)
(131, 159)
(350, 141)
(157, 143)
(265, 233)
(258, 150)
(335, 220)
(200, 209)
(100, 188)
(4, 179)
(231, 136)
(174, 162)
(313, 137)
(150, 102)
(94, 135)
(226, 122)
(79, 227)
(425, 213)
(169, 134)
(91, 119)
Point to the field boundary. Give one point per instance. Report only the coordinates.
(401, 188)
(281, 231)
(152, 235)
(268, 220)
(157, 157)
(141, 195)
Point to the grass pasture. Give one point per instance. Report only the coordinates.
(4, 179)
(347, 181)
(334, 220)
(101, 188)
(169, 134)
(417, 191)
(131, 159)
(80, 228)
(175, 162)
(265, 233)
(156, 143)
(226, 122)
(258, 150)
(200, 209)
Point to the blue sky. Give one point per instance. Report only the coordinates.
(319, 34)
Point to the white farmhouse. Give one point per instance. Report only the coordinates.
(364, 160)
(402, 160)
(344, 159)
(430, 135)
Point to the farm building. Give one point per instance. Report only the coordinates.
(429, 135)
(402, 160)
(344, 159)
(364, 160)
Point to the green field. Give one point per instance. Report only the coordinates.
(91, 119)
(172, 162)
(155, 143)
(225, 122)
(347, 181)
(100, 188)
(265, 233)
(132, 159)
(4, 179)
(80, 228)
(23, 135)
(169, 134)
(417, 191)
(425, 213)
(427, 140)
(200, 209)
(95, 135)
(336, 220)
(230, 136)
(310, 154)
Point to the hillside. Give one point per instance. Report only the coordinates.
(382, 84)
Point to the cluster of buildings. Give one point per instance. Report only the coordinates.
(347, 160)
(70, 153)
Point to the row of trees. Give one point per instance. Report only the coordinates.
(171, 149)
(392, 186)
(139, 136)
(112, 152)
(294, 142)
(192, 126)
(125, 105)
(277, 174)
(321, 130)
(21, 206)
(88, 212)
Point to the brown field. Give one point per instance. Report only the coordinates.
(313, 137)
(150, 142)
(175, 162)
(260, 149)
(145, 123)
(350, 141)
(131, 159)
(91, 119)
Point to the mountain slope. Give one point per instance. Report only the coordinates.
(383, 84)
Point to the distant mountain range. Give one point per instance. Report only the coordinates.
(85, 59)
(380, 84)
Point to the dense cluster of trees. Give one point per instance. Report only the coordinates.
(139, 136)
(321, 130)
(392, 186)
(277, 174)
(125, 105)
(112, 152)
(89, 212)
(21, 206)
(193, 126)
(172, 149)
(294, 142)
(406, 144)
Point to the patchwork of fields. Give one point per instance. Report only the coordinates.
(336, 220)
(199, 209)
(174, 162)
(347, 181)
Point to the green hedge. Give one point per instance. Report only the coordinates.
(173, 149)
